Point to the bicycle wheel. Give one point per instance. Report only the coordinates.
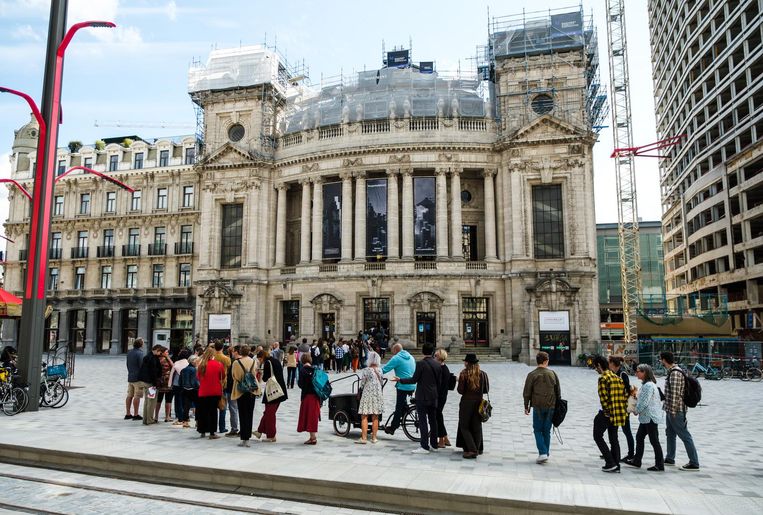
(63, 396)
(411, 424)
(53, 394)
(727, 374)
(754, 374)
(15, 401)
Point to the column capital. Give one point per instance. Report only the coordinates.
(282, 185)
(441, 171)
(316, 180)
(304, 181)
(456, 170)
(391, 172)
(359, 174)
(406, 172)
(489, 172)
(346, 175)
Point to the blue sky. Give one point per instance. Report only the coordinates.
(138, 72)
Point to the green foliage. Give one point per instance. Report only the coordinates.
(74, 146)
(100, 144)
(127, 142)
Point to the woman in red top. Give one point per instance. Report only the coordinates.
(211, 374)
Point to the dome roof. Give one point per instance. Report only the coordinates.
(25, 138)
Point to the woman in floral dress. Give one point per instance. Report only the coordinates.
(371, 400)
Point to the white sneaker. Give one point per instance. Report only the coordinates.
(420, 450)
(543, 458)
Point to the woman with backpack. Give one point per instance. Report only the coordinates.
(310, 405)
(371, 398)
(244, 392)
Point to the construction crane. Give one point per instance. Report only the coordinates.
(625, 172)
(143, 125)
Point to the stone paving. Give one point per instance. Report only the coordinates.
(726, 428)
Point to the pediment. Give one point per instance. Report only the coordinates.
(546, 129)
(230, 156)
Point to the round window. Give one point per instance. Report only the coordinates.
(33, 133)
(542, 104)
(236, 132)
(466, 197)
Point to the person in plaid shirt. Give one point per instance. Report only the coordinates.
(612, 415)
(339, 357)
(675, 414)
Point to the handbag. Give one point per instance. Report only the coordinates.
(221, 404)
(452, 382)
(485, 409)
(273, 390)
(560, 408)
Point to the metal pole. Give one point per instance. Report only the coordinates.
(32, 331)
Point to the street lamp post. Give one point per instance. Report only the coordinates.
(32, 329)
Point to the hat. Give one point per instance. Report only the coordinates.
(471, 358)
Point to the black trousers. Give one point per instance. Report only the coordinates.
(206, 414)
(650, 429)
(628, 435)
(190, 399)
(427, 425)
(441, 431)
(291, 376)
(245, 415)
(601, 425)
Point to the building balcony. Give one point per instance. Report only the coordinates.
(106, 251)
(157, 249)
(183, 247)
(79, 252)
(130, 250)
(55, 253)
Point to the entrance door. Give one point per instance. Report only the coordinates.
(557, 344)
(426, 328)
(328, 325)
(290, 313)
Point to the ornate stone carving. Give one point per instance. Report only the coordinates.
(350, 162)
(448, 157)
(325, 303)
(220, 296)
(312, 167)
(398, 159)
(425, 301)
(489, 172)
(345, 176)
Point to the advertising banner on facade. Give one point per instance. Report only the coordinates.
(566, 24)
(426, 67)
(332, 220)
(219, 321)
(424, 216)
(554, 320)
(398, 59)
(376, 218)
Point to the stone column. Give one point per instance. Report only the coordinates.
(317, 220)
(346, 216)
(143, 320)
(116, 331)
(407, 214)
(393, 220)
(490, 247)
(360, 216)
(281, 225)
(456, 228)
(90, 332)
(250, 223)
(441, 209)
(304, 229)
(63, 328)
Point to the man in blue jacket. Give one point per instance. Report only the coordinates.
(403, 364)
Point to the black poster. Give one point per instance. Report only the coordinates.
(332, 220)
(376, 218)
(424, 214)
(398, 59)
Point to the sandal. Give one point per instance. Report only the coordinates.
(374, 440)
(361, 442)
(310, 442)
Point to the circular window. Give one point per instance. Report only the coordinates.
(466, 197)
(236, 132)
(33, 133)
(542, 104)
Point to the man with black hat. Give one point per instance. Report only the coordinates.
(427, 378)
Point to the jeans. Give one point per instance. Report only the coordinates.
(676, 425)
(401, 404)
(542, 429)
(427, 425)
(190, 399)
(601, 424)
(178, 396)
(221, 415)
(628, 434)
(650, 428)
(233, 408)
(291, 376)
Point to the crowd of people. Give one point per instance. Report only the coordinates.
(222, 383)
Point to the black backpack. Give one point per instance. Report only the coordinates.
(692, 390)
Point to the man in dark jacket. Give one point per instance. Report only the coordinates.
(427, 377)
(149, 375)
(134, 387)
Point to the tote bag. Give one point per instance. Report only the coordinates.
(273, 390)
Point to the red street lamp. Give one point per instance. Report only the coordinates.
(32, 329)
(95, 172)
(19, 186)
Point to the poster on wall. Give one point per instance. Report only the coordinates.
(219, 321)
(332, 220)
(554, 320)
(424, 216)
(376, 218)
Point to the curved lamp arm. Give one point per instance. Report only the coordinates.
(74, 28)
(19, 186)
(99, 174)
(29, 100)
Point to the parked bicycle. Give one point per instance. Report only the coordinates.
(708, 371)
(13, 398)
(53, 392)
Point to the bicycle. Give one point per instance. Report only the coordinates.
(709, 371)
(53, 392)
(13, 399)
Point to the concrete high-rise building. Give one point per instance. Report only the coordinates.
(707, 63)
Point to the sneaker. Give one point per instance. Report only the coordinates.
(611, 468)
(233, 432)
(257, 435)
(243, 443)
(361, 442)
(690, 467)
(656, 469)
(420, 450)
(670, 462)
(374, 440)
(631, 463)
(128, 417)
(137, 417)
(543, 458)
(177, 423)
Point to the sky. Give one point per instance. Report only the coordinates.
(138, 72)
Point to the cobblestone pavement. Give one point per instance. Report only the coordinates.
(26, 488)
(726, 427)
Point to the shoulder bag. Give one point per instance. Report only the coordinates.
(560, 408)
(273, 390)
(485, 409)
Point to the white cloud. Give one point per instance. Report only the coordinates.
(26, 32)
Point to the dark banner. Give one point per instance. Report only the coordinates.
(424, 216)
(567, 24)
(426, 67)
(332, 220)
(397, 59)
(376, 218)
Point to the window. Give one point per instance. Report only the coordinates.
(138, 160)
(135, 201)
(84, 204)
(132, 276)
(187, 196)
(106, 277)
(376, 314)
(58, 205)
(105, 325)
(161, 198)
(185, 245)
(87, 162)
(108, 237)
(475, 321)
(236, 132)
(56, 242)
(184, 275)
(113, 163)
(79, 278)
(82, 239)
(53, 279)
(61, 167)
(159, 235)
(548, 228)
(233, 222)
(157, 278)
(190, 155)
(133, 238)
(164, 157)
(111, 201)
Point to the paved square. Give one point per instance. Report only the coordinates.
(726, 428)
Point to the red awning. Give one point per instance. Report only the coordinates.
(10, 305)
